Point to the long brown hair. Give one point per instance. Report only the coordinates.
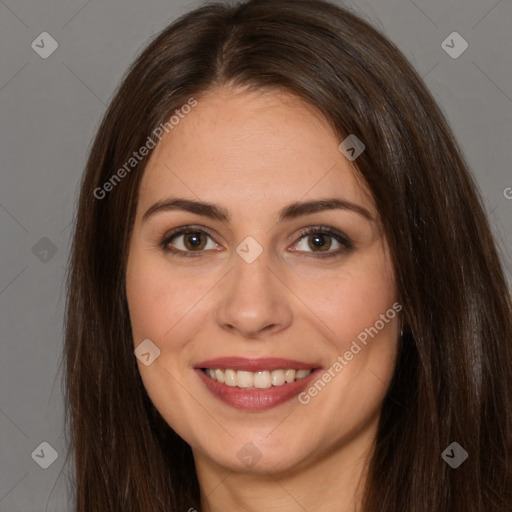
(453, 377)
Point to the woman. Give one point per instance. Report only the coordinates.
(284, 293)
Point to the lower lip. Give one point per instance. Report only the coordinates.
(256, 399)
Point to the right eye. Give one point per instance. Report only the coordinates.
(194, 240)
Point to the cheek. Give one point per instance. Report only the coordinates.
(354, 298)
(158, 304)
(149, 314)
(158, 299)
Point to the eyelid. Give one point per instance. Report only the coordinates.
(342, 239)
(338, 235)
(180, 231)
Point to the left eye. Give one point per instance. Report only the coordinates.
(322, 239)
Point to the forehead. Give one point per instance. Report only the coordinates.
(242, 147)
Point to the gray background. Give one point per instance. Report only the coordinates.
(49, 111)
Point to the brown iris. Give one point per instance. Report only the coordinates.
(319, 242)
(192, 240)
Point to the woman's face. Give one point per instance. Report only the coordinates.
(251, 297)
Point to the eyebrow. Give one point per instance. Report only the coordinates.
(290, 212)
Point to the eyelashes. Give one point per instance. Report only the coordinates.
(322, 234)
(183, 231)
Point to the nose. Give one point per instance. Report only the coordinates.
(254, 300)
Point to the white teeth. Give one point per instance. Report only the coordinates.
(289, 375)
(229, 377)
(278, 378)
(244, 379)
(300, 374)
(261, 380)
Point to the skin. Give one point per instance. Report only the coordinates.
(254, 153)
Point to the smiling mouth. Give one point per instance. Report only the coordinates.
(256, 380)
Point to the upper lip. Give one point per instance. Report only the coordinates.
(255, 365)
